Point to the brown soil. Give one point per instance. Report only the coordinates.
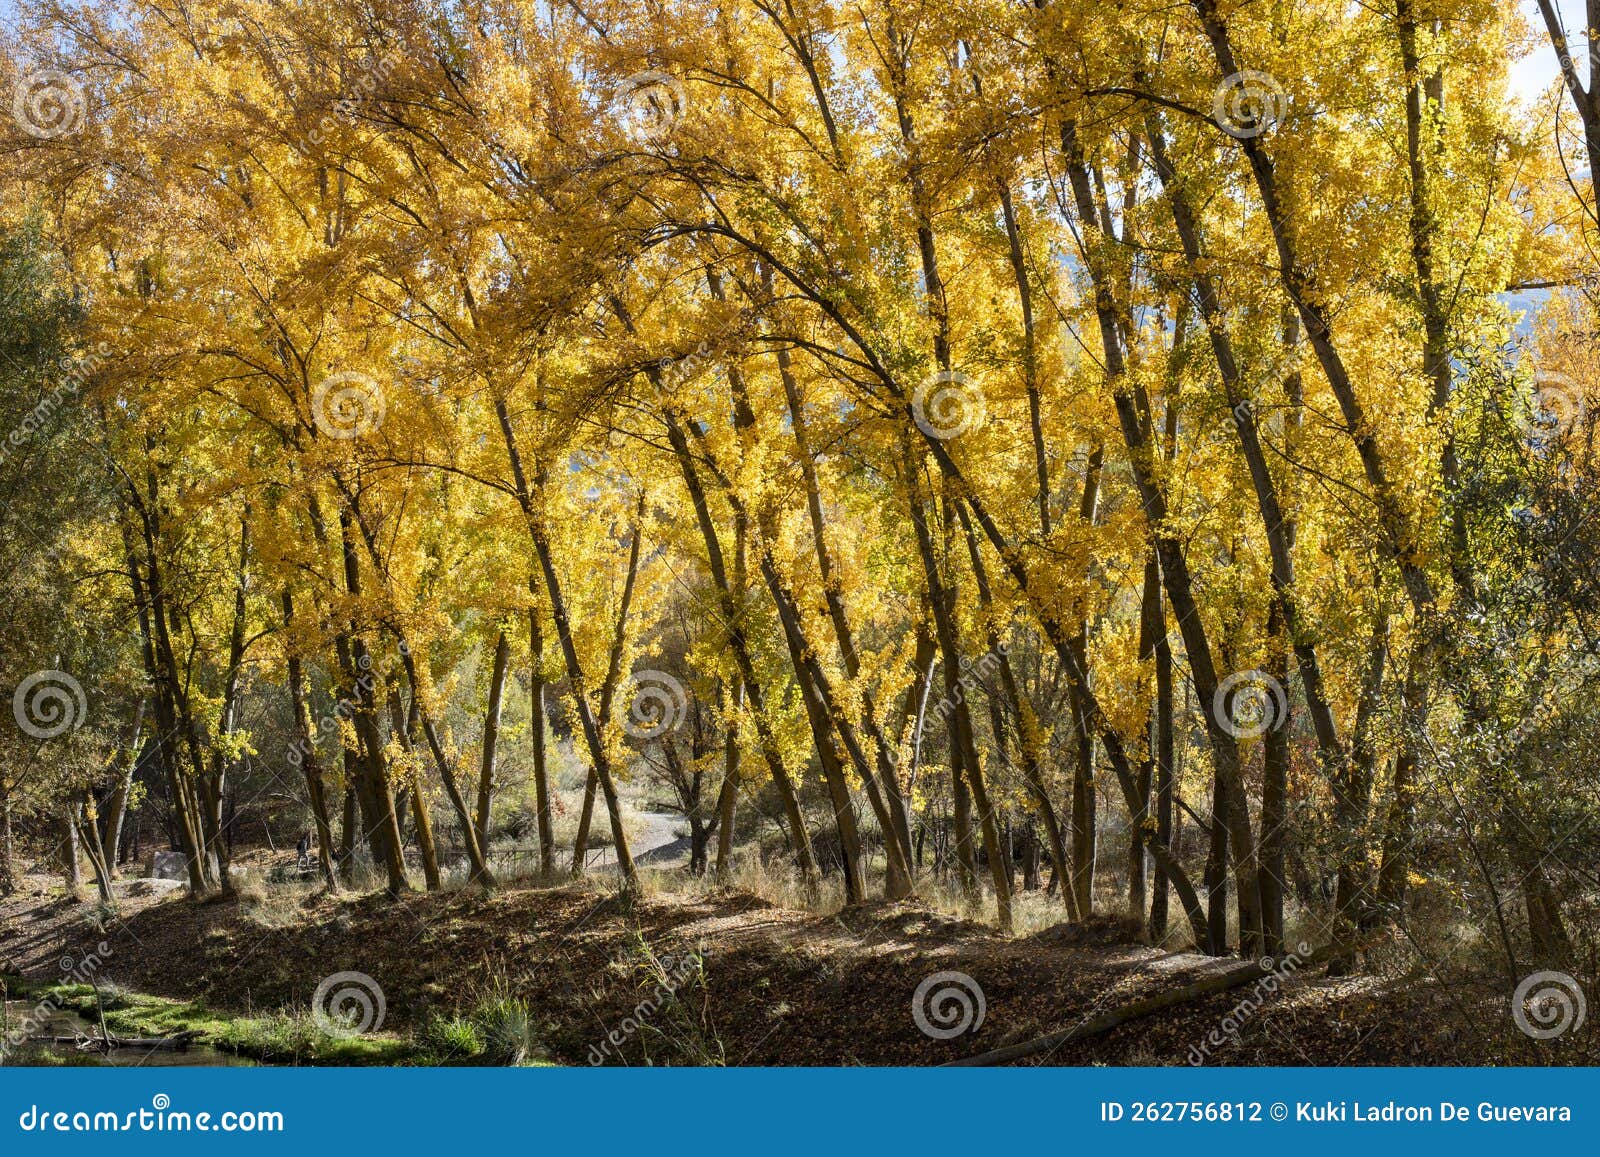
(779, 986)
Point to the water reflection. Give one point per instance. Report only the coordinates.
(61, 1022)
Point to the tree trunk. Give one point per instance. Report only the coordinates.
(599, 758)
(214, 788)
(96, 851)
(117, 804)
(728, 796)
(1084, 826)
(1133, 410)
(1274, 794)
(150, 608)
(350, 833)
(883, 791)
(1394, 869)
(608, 692)
(67, 854)
(306, 746)
(404, 725)
(1030, 737)
(491, 736)
(1216, 943)
(731, 614)
(1165, 770)
(1150, 622)
(965, 766)
(536, 738)
(476, 857)
(8, 863)
(383, 832)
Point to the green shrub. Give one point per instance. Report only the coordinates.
(507, 1030)
(450, 1040)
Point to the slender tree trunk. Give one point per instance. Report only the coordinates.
(580, 841)
(599, 758)
(1586, 101)
(1165, 769)
(1030, 737)
(67, 854)
(116, 808)
(96, 851)
(1274, 795)
(731, 614)
(728, 796)
(887, 802)
(608, 691)
(1133, 413)
(966, 769)
(491, 736)
(404, 726)
(476, 854)
(383, 831)
(1216, 943)
(1150, 622)
(8, 846)
(214, 788)
(149, 607)
(942, 594)
(1394, 870)
(1353, 793)
(305, 745)
(1085, 829)
(348, 828)
(1030, 357)
(1399, 535)
(536, 738)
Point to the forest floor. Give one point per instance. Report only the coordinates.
(772, 986)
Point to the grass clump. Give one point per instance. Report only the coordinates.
(291, 1037)
(451, 1040)
(497, 1030)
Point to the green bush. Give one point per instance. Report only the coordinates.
(450, 1040)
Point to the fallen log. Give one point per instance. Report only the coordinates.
(1209, 985)
(177, 1041)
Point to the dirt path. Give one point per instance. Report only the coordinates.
(772, 986)
(654, 843)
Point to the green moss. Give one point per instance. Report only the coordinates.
(291, 1038)
(46, 1059)
(497, 1030)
